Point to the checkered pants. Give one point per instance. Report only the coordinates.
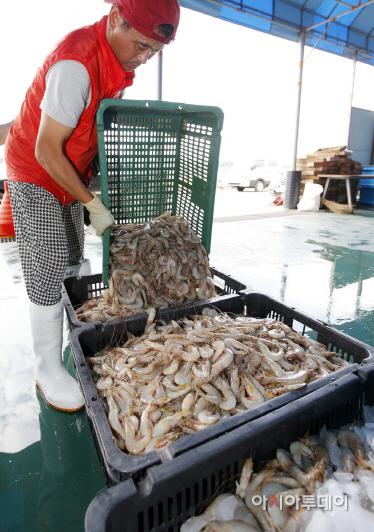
(50, 237)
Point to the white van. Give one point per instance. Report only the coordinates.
(256, 176)
(278, 184)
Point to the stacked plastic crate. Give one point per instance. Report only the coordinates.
(156, 156)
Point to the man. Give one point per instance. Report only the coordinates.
(48, 153)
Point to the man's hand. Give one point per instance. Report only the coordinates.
(52, 136)
(100, 217)
(4, 129)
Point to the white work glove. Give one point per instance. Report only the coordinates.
(100, 217)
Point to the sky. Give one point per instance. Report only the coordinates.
(250, 75)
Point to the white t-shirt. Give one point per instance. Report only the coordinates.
(67, 93)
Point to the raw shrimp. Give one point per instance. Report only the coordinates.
(229, 526)
(222, 362)
(229, 397)
(348, 459)
(245, 478)
(286, 463)
(252, 390)
(297, 449)
(188, 403)
(135, 444)
(349, 438)
(208, 418)
(212, 394)
(165, 425)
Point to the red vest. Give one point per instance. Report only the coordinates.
(89, 46)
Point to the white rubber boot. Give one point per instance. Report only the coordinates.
(59, 388)
(78, 270)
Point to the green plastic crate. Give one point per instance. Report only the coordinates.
(157, 157)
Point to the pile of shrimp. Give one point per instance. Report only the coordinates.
(181, 377)
(335, 463)
(159, 263)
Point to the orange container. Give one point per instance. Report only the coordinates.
(6, 218)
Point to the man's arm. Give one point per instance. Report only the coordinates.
(4, 128)
(49, 153)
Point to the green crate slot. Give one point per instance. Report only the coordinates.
(157, 157)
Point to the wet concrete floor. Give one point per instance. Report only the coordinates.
(320, 263)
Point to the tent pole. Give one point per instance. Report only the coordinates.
(298, 102)
(351, 95)
(292, 190)
(159, 95)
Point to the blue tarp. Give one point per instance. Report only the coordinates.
(352, 32)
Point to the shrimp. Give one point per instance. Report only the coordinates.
(145, 370)
(113, 419)
(168, 382)
(256, 397)
(349, 438)
(202, 372)
(108, 370)
(218, 347)
(230, 400)
(322, 457)
(207, 418)
(147, 392)
(199, 337)
(234, 382)
(183, 376)
(297, 449)
(229, 526)
(222, 362)
(193, 425)
(253, 489)
(245, 478)
(212, 395)
(188, 403)
(123, 399)
(151, 316)
(276, 357)
(165, 425)
(205, 351)
(127, 387)
(348, 459)
(135, 444)
(172, 368)
(160, 442)
(200, 405)
(173, 395)
(286, 463)
(278, 334)
(188, 356)
(104, 383)
(294, 378)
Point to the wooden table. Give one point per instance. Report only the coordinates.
(346, 178)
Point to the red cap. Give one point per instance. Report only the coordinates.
(145, 15)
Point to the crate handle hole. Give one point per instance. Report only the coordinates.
(93, 398)
(82, 364)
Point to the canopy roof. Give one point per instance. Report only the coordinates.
(340, 27)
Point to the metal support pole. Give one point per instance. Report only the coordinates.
(159, 96)
(292, 191)
(351, 95)
(298, 103)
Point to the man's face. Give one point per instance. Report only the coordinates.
(130, 47)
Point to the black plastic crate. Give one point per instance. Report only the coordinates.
(78, 290)
(88, 341)
(261, 305)
(176, 490)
